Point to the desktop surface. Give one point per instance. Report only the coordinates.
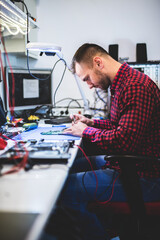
(38, 134)
(28, 197)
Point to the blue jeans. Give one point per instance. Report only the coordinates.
(81, 186)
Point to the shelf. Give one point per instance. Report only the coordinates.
(16, 43)
(10, 11)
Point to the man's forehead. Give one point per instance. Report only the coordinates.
(79, 68)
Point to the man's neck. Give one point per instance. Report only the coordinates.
(111, 67)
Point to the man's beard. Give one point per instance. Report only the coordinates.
(104, 80)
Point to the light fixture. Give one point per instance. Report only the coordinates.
(50, 48)
(43, 47)
(13, 19)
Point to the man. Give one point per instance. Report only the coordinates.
(135, 106)
(133, 128)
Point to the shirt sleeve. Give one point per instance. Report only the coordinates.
(135, 107)
(103, 124)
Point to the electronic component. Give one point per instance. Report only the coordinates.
(39, 152)
(11, 132)
(49, 152)
(29, 92)
(152, 69)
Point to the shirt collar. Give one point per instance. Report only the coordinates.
(118, 78)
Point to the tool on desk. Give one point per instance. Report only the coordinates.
(33, 118)
(54, 132)
(59, 126)
(73, 118)
(11, 132)
(14, 122)
(30, 126)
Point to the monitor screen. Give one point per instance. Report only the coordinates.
(28, 92)
(152, 69)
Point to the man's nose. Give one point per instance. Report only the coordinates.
(90, 84)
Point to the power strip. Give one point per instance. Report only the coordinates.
(65, 112)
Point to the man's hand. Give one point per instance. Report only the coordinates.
(80, 118)
(76, 129)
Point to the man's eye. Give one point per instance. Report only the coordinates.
(86, 79)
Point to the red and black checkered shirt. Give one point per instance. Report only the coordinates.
(134, 124)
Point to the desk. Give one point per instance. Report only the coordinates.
(28, 198)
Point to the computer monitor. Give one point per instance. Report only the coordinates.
(152, 69)
(29, 92)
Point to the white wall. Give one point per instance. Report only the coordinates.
(70, 23)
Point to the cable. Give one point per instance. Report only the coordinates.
(28, 42)
(98, 201)
(91, 168)
(100, 96)
(100, 195)
(61, 59)
(63, 99)
(20, 165)
(11, 106)
(27, 20)
(73, 100)
(27, 13)
(54, 96)
(104, 202)
(34, 75)
(4, 78)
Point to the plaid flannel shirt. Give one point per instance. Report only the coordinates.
(134, 124)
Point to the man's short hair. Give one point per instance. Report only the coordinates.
(85, 54)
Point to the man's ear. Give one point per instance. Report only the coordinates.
(98, 63)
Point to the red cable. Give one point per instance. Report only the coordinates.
(13, 80)
(20, 165)
(91, 168)
(4, 79)
(97, 180)
(101, 203)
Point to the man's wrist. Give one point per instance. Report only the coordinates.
(91, 124)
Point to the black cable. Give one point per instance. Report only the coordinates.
(27, 20)
(63, 99)
(74, 100)
(101, 194)
(34, 75)
(27, 13)
(54, 96)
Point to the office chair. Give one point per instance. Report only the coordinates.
(134, 219)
